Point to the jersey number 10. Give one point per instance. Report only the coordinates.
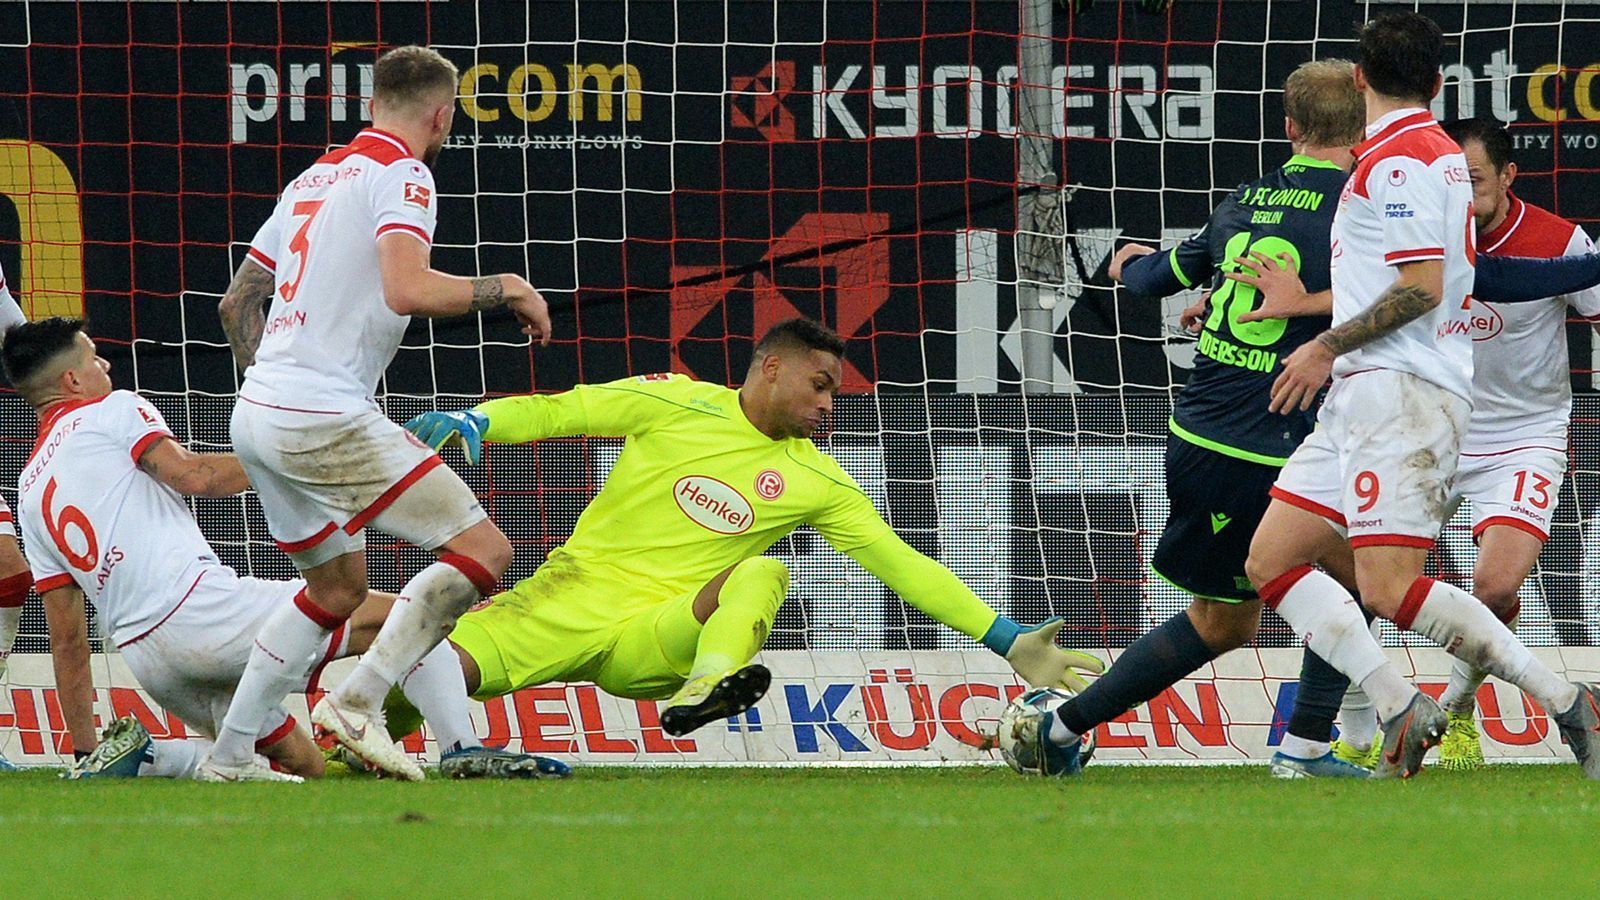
(1233, 299)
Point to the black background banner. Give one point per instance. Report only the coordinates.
(678, 176)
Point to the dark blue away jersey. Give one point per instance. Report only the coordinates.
(1224, 405)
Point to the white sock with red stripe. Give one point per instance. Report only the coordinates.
(1358, 719)
(423, 614)
(285, 650)
(1464, 627)
(438, 689)
(1461, 694)
(174, 759)
(1330, 621)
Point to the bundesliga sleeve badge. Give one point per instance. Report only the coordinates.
(418, 195)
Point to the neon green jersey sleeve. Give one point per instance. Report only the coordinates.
(614, 409)
(926, 584)
(852, 525)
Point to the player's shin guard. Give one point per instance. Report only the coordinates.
(423, 614)
(436, 687)
(1460, 695)
(1330, 621)
(746, 607)
(1467, 630)
(284, 653)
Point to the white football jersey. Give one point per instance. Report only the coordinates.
(1409, 199)
(329, 335)
(10, 311)
(92, 517)
(1521, 387)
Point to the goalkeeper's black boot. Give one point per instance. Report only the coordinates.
(712, 697)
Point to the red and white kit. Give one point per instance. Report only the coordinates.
(1381, 460)
(185, 623)
(1514, 457)
(10, 315)
(324, 459)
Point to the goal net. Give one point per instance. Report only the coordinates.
(676, 178)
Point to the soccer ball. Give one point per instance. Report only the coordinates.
(1019, 724)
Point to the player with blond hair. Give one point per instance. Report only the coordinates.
(344, 261)
(1380, 465)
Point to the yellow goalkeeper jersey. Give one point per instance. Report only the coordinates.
(698, 489)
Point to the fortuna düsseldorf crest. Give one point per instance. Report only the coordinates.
(769, 484)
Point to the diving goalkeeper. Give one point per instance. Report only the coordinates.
(662, 590)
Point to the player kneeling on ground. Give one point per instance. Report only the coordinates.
(662, 590)
(103, 515)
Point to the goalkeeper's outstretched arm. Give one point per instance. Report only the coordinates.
(615, 409)
(929, 586)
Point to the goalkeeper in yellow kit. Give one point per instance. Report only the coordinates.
(662, 590)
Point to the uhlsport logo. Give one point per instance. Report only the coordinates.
(769, 484)
(713, 505)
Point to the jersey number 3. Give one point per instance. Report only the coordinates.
(70, 517)
(299, 245)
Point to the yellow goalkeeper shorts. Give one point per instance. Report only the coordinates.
(562, 624)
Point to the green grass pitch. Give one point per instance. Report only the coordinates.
(1117, 831)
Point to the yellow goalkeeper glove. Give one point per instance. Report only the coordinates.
(1034, 656)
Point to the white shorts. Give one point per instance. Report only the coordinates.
(191, 663)
(323, 477)
(1516, 488)
(1380, 463)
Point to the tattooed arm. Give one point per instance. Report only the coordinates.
(487, 293)
(194, 474)
(243, 311)
(1414, 293)
(412, 287)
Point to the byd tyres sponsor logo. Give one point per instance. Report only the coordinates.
(713, 505)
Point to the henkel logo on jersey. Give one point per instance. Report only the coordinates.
(1485, 321)
(713, 505)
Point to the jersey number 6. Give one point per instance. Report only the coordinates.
(57, 526)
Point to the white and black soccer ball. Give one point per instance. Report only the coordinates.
(1019, 724)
